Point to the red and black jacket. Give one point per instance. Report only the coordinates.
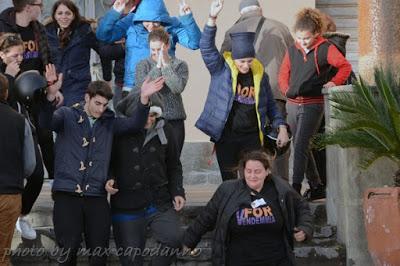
(302, 75)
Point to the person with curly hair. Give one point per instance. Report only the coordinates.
(304, 72)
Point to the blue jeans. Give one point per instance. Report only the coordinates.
(130, 235)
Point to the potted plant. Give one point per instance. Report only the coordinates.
(369, 119)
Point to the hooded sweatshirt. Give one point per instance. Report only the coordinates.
(183, 30)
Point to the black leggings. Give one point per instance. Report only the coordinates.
(73, 216)
(34, 184)
(230, 150)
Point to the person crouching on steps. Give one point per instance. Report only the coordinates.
(147, 187)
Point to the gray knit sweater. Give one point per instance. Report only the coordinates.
(176, 76)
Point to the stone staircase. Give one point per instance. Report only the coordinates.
(201, 178)
(321, 250)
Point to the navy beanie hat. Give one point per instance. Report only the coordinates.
(243, 45)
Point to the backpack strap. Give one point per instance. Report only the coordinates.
(321, 57)
(258, 30)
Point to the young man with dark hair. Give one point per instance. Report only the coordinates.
(17, 160)
(22, 19)
(85, 133)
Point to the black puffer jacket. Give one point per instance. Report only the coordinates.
(146, 168)
(227, 199)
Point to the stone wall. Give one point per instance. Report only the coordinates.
(345, 189)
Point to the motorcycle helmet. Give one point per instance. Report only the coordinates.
(270, 137)
(29, 86)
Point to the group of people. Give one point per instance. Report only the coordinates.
(263, 83)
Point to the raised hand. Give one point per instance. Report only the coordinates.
(184, 9)
(149, 88)
(164, 55)
(53, 91)
(159, 59)
(51, 73)
(119, 5)
(216, 7)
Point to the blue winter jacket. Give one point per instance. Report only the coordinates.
(222, 90)
(182, 30)
(73, 60)
(82, 152)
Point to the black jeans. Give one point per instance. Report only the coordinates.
(304, 121)
(229, 151)
(130, 237)
(178, 129)
(73, 216)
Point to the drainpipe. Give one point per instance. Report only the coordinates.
(379, 36)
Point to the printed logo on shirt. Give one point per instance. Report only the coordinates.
(31, 49)
(245, 95)
(253, 216)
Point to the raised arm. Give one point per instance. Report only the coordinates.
(112, 27)
(185, 29)
(209, 52)
(139, 117)
(49, 117)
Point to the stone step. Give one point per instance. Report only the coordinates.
(322, 248)
(43, 250)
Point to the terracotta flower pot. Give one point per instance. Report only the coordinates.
(382, 223)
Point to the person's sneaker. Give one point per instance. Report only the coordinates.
(24, 227)
(314, 194)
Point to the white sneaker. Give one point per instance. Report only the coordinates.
(24, 227)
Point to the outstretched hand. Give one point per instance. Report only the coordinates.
(216, 7)
(149, 88)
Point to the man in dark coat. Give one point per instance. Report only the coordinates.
(17, 160)
(85, 133)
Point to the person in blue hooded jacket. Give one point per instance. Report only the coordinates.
(240, 102)
(136, 26)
